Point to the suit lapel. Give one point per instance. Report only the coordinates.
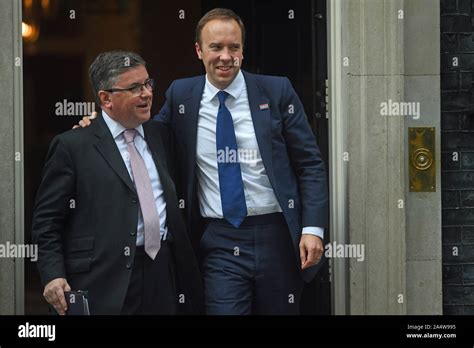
(261, 118)
(191, 118)
(108, 149)
(157, 150)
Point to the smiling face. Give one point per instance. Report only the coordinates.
(128, 109)
(221, 51)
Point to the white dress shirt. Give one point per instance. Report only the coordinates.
(259, 196)
(116, 129)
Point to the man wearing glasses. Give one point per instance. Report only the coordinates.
(106, 218)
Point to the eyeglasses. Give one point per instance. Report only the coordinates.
(136, 88)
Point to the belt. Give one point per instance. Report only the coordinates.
(254, 220)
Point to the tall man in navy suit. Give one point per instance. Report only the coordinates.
(251, 177)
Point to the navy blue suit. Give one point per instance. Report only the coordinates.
(287, 145)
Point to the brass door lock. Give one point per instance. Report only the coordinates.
(422, 168)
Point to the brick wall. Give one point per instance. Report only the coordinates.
(457, 144)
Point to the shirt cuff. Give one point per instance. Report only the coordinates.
(315, 231)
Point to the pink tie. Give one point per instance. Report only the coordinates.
(142, 181)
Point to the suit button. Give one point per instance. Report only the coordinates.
(128, 265)
(133, 233)
(134, 200)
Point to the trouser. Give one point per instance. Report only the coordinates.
(251, 269)
(151, 290)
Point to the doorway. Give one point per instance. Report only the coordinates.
(283, 38)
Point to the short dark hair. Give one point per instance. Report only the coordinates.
(219, 13)
(105, 69)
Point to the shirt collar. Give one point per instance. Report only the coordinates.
(116, 128)
(234, 89)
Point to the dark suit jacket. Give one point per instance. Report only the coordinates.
(86, 216)
(287, 145)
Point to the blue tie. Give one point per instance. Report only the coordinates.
(230, 176)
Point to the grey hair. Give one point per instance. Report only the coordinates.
(105, 69)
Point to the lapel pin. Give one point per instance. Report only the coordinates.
(263, 106)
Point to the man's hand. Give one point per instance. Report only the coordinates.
(86, 121)
(311, 250)
(54, 294)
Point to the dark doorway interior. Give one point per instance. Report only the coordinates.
(283, 38)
